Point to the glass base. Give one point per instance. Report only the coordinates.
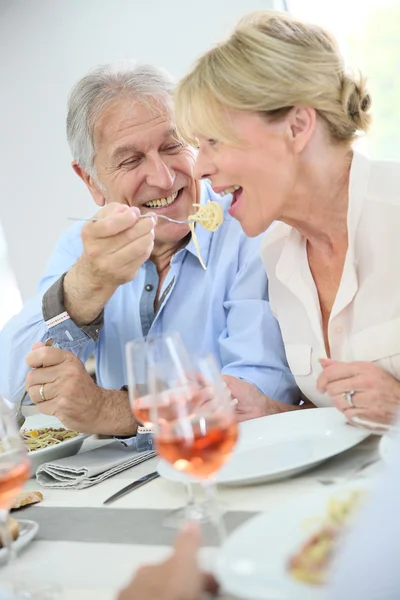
(201, 512)
(45, 591)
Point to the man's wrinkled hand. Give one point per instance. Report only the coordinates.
(116, 246)
(70, 393)
(250, 403)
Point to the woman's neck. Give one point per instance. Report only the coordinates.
(319, 204)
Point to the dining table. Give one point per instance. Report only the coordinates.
(90, 551)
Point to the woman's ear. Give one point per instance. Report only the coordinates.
(302, 121)
(96, 192)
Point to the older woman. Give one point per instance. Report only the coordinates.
(274, 114)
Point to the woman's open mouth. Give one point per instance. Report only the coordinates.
(236, 195)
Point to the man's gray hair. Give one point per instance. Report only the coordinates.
(102, 85)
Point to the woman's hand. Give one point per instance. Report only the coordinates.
(177, 578)
(376, 393)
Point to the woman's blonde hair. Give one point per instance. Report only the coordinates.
(269, 64)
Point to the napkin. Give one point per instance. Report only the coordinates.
(88, 468)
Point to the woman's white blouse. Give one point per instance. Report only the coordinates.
(365, 321)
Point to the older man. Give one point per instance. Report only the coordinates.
(123, 277)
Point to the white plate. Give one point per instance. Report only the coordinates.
(28, 530)
(279, 446)
(387, 445)
(44, 455)
(253, 561)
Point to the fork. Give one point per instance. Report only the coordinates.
(141, 217)
(19, 417)
(351, 475)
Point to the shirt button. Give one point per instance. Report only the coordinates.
(148, 287)
(339, 329)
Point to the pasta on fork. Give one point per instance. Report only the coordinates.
(210, 216)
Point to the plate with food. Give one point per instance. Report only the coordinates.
(287, 553)
(280, 446)
(22, 532)
(46, 439)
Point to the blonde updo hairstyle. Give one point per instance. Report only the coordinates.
(269, 64)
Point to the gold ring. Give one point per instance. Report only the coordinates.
(41, 393)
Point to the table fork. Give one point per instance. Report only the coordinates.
(19, 417)
(349, 476)
(145, 216)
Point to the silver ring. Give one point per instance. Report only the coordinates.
(348, 396)
(41, 392)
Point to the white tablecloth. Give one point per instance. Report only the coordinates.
(87, 559)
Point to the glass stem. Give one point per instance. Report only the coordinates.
(5, 536)
(191, 502)
(215, 513)
(194, 511)
(190, 494)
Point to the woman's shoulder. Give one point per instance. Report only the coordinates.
(375, 180)
(384, 181)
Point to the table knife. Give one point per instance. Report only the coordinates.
(132, 486)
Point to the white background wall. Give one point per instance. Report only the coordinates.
(46, 45)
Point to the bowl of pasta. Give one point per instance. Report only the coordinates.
(46, 439)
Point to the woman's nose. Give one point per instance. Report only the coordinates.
(203, 169)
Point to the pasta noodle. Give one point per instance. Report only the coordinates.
(196, 245)
(35, 439)
(210, 216)
(312, 561)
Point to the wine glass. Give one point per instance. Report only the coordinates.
(14, 470)
(141, 399)
(198, 432)
(138, 391)
(170, 349)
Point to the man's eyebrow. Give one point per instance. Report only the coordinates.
(122, 151)
(171, 133)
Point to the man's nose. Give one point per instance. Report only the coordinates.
(159, 174)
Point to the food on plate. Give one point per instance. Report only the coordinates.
(13, 530)
(311, 563)
(26, 498)
(210, 216)
(35, 439)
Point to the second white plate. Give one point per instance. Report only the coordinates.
(27, 531)
(253, 562)
(388, 445)
(279, 446)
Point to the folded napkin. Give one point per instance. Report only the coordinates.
(88, 468)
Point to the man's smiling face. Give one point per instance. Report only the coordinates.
(139, 161)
